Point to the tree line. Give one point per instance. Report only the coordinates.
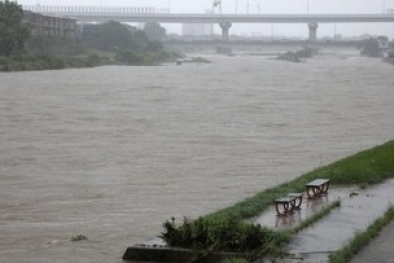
(95, 44)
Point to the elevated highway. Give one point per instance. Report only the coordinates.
(225, 20)
(129, 14)
(216, 18)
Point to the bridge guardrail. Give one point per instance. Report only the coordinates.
(93, 9)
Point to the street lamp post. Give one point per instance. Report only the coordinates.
(307, 7)
(335, 31)
(260, 7)
(272, 32)
(236, 6)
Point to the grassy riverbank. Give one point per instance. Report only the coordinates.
(364, 168)
(367, 167)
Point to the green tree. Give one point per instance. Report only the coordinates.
(370, 48)
(139, 41)
(116, 36)
(108, 36)
(13, 32)
(154, 46)
(154, 31)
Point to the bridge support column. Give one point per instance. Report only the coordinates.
(225, 26)
(312, 31)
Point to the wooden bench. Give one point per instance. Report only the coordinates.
(317, 188)
(288, 203)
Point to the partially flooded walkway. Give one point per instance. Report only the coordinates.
(359, 208)
(380, 249)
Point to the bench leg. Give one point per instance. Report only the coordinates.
(325, 187)
(311, 192)
(282, 209)
(296, 203)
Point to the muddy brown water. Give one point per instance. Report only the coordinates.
(112, 152)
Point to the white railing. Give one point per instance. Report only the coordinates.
(52, 9)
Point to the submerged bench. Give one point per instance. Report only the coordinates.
(288, 203)
(317, 188)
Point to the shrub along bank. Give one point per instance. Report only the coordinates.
(224, 230)
(31, 61)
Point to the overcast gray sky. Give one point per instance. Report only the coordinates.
(262, 6)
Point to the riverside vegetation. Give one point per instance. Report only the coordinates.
(371, 48)
(299, 55)
(102, 44)
(227, 230)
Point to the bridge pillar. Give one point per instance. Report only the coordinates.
(312, 31)
(225, 26)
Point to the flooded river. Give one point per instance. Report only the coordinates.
(112, 152)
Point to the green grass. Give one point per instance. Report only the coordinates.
(235, 260)
(364, 168)
(275, 249)
(361, 240)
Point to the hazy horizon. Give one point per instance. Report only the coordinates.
(262, 7)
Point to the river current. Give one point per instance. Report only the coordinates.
(112, 152)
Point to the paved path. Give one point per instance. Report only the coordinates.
(380, 250)
(316, 243)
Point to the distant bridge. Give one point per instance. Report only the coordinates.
(149, 14)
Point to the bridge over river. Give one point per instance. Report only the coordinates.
(225, 21)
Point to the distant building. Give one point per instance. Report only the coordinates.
(50, 25)
(383, 42)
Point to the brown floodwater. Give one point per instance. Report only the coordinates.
(112, 152)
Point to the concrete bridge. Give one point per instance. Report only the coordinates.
(137, 14)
